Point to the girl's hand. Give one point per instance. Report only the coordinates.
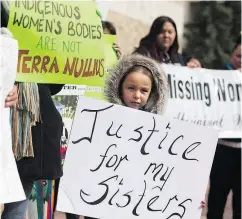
(117, 49)
(203, 204)
(194, 63)
(12, 97)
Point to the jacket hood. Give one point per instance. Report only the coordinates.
(157, 98)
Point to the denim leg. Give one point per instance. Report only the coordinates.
(17, 210)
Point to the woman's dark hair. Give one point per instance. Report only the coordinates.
(149, 43)
(238, 41)
(109, 26)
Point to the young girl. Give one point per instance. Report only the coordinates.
(138, 82)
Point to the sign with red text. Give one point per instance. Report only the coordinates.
(125, 163)
(60, 42)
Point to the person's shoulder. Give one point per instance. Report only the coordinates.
(142, 51)
(228, 67)
(179, 58)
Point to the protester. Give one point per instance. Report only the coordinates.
(109, 28)
(34, 107)
(226, 169)
(46, 163)
(161, 44)
(137, 82)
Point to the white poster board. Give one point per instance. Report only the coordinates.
(11, 189)
(123, 163)
(206, 97)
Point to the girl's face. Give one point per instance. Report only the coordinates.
(167, 36)
(136, 89)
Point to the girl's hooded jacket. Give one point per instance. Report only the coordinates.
(159, 94)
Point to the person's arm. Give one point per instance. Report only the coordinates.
(194, 63)
(117, 50)
(191, 62)
(142, 51)
(55, 88)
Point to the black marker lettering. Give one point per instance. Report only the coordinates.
(142, 150)
(103, 197)
(93, 126)
(184, 210)
(142, 196)
(175, 197)
(110, 201)
(115, 134)
(121, 159)
(151, 202)
(140, 135)
(128, 202)
(170, 151)
(103, 156)
(187, 151)
(167, 127)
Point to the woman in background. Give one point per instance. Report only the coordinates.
(161, 44)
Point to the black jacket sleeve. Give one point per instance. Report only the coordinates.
(55, 88)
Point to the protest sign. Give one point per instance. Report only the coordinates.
(111, 60)
(206, 97)
(124, 163)
(11, 189)
(96, 91)
(59, 41)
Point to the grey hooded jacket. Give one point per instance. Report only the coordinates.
(157, 99)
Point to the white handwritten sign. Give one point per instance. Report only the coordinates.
(10, 186)
(206, 97)
(123, 163)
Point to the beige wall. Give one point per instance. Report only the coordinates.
(134, 18)
(127, 38)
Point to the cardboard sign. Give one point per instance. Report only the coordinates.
(11, 189)
(206, 97)
(124, 163)
(59, 41)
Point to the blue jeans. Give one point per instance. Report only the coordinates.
(17, 210)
